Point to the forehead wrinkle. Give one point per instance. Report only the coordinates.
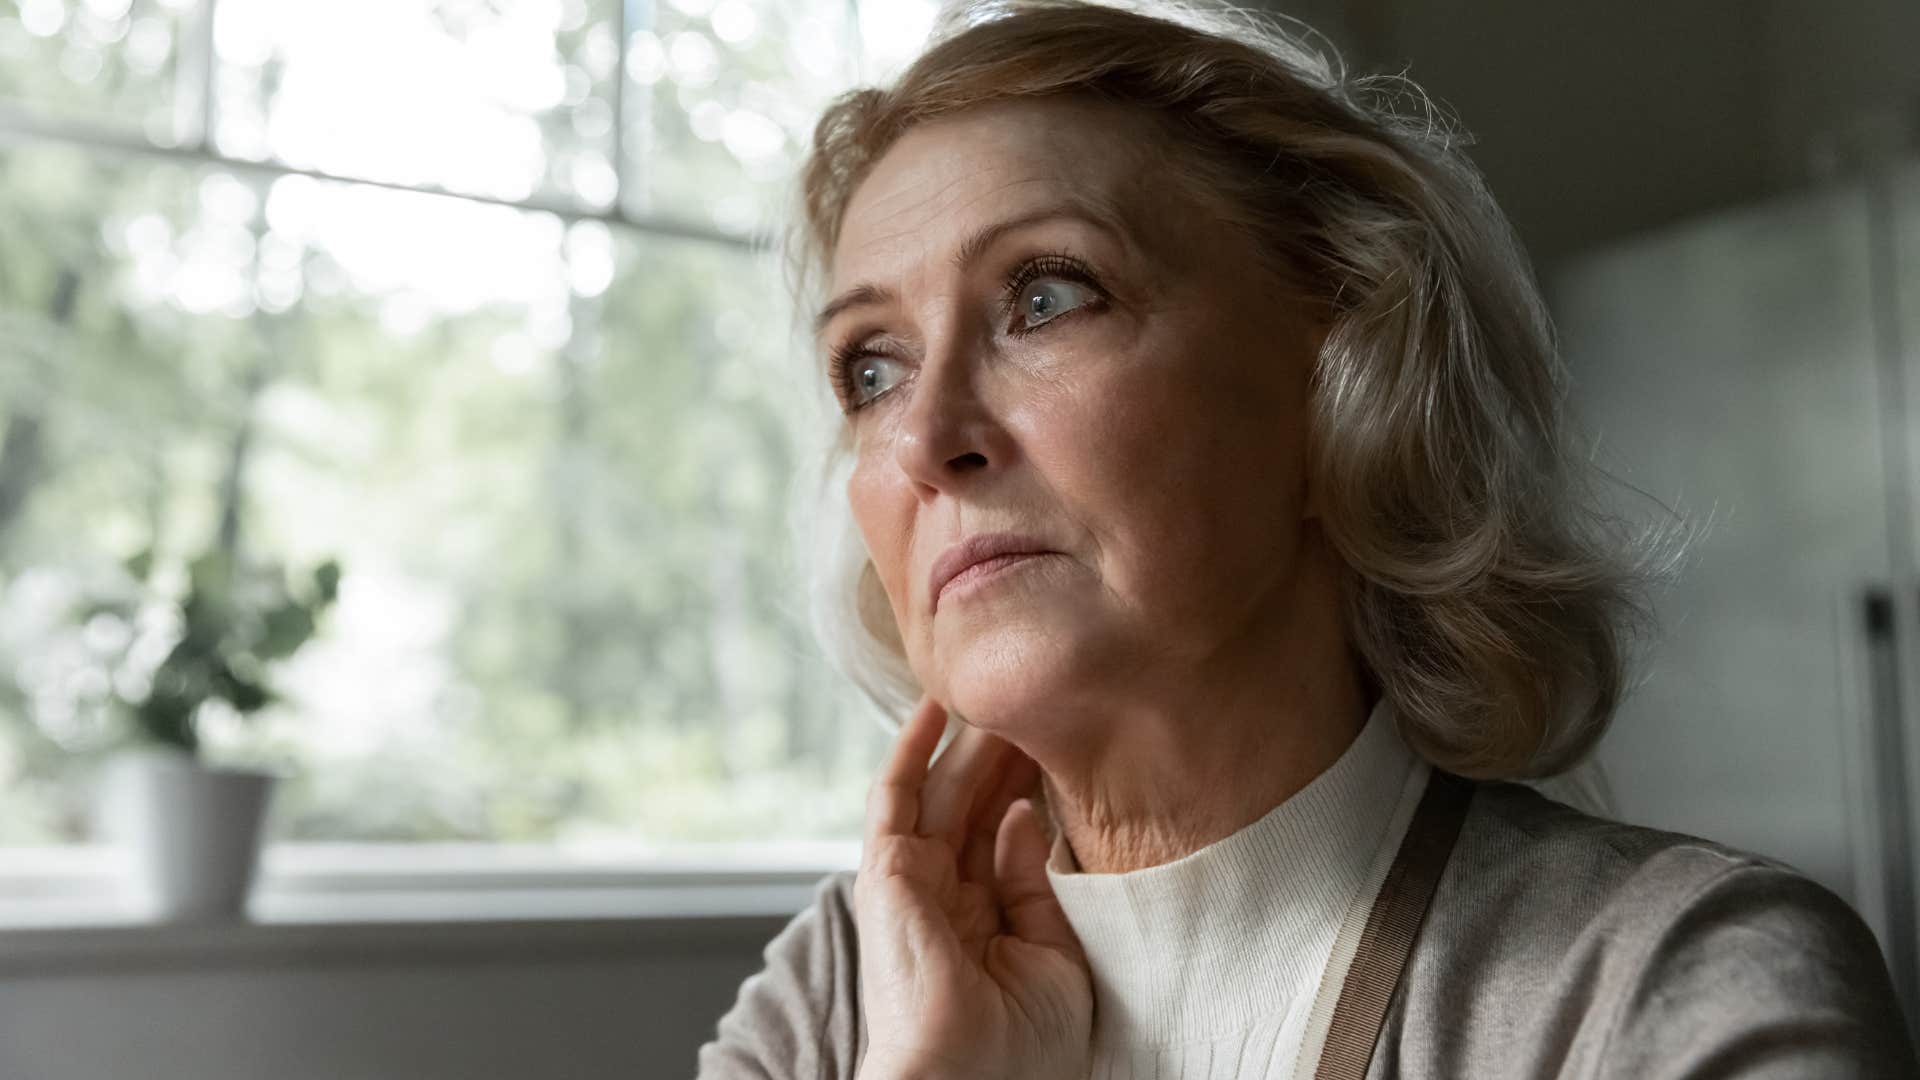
(871, 293)
(868, 293)
(1098, 212)
(1099, 209)
(929, 193)
(953, 206)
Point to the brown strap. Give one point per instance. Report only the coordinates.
(1391, 925)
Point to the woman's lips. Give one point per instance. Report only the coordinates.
(978, 557)
(980, 571)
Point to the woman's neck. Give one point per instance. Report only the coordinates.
(1171, 788)
(1148, 759)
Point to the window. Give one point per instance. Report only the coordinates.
(468, 296)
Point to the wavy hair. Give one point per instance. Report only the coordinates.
(1489, 597)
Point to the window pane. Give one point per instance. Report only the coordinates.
(553, 461)
(111, 407)
(111, 62)
(510, 101)
(722, 97)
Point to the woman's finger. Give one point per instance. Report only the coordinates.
(953, 786)
(1020, 863)
(893, 803)
(1018, 776)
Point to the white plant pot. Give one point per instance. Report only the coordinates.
(188, 833)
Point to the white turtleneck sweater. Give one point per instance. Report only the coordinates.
(1558, 944)
(1209, 966)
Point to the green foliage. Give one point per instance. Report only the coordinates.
(561, 494)
(234, 623)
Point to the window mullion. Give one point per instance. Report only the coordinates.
(619, 149)
(18, 125)
(209, 71)
(854, 49)
(194, 99)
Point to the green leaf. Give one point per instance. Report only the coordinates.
(286, 628)
(212, 576)
(206, 624)
(247, 696)
(242, 692)
(167, 718)
(326, 582)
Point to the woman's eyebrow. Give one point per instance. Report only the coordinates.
(983, 238)
(975, 245)
(858, 296)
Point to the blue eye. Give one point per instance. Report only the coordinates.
(867, 376)
(1049, 298)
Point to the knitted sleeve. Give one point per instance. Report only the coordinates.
(798, 1018)
(1759, 973)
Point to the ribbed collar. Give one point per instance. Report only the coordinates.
(1208, 944)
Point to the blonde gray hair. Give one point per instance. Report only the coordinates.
(1489, 598)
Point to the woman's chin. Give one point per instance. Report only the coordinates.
(1011, 678)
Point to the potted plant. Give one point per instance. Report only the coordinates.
(191, 830)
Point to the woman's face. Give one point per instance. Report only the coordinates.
(1048, 347)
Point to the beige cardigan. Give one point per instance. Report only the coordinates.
(1557, 945)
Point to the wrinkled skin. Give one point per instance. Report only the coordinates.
(967, 965)
(1047, 336)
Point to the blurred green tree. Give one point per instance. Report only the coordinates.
(554, 452)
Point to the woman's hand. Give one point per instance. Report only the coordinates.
(968, 967)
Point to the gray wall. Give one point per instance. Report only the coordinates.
(1597, 121)
(627, 999)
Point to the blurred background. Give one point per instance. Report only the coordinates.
(440, 341)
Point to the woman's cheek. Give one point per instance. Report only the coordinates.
(876, 513)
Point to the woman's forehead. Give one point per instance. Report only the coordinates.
(930, 195)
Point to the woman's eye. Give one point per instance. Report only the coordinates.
(1049, 298)
(868, 377)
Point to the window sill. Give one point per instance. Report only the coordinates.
(60, 907)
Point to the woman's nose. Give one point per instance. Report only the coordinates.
(948, 437)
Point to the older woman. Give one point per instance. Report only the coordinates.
(1202, 434)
